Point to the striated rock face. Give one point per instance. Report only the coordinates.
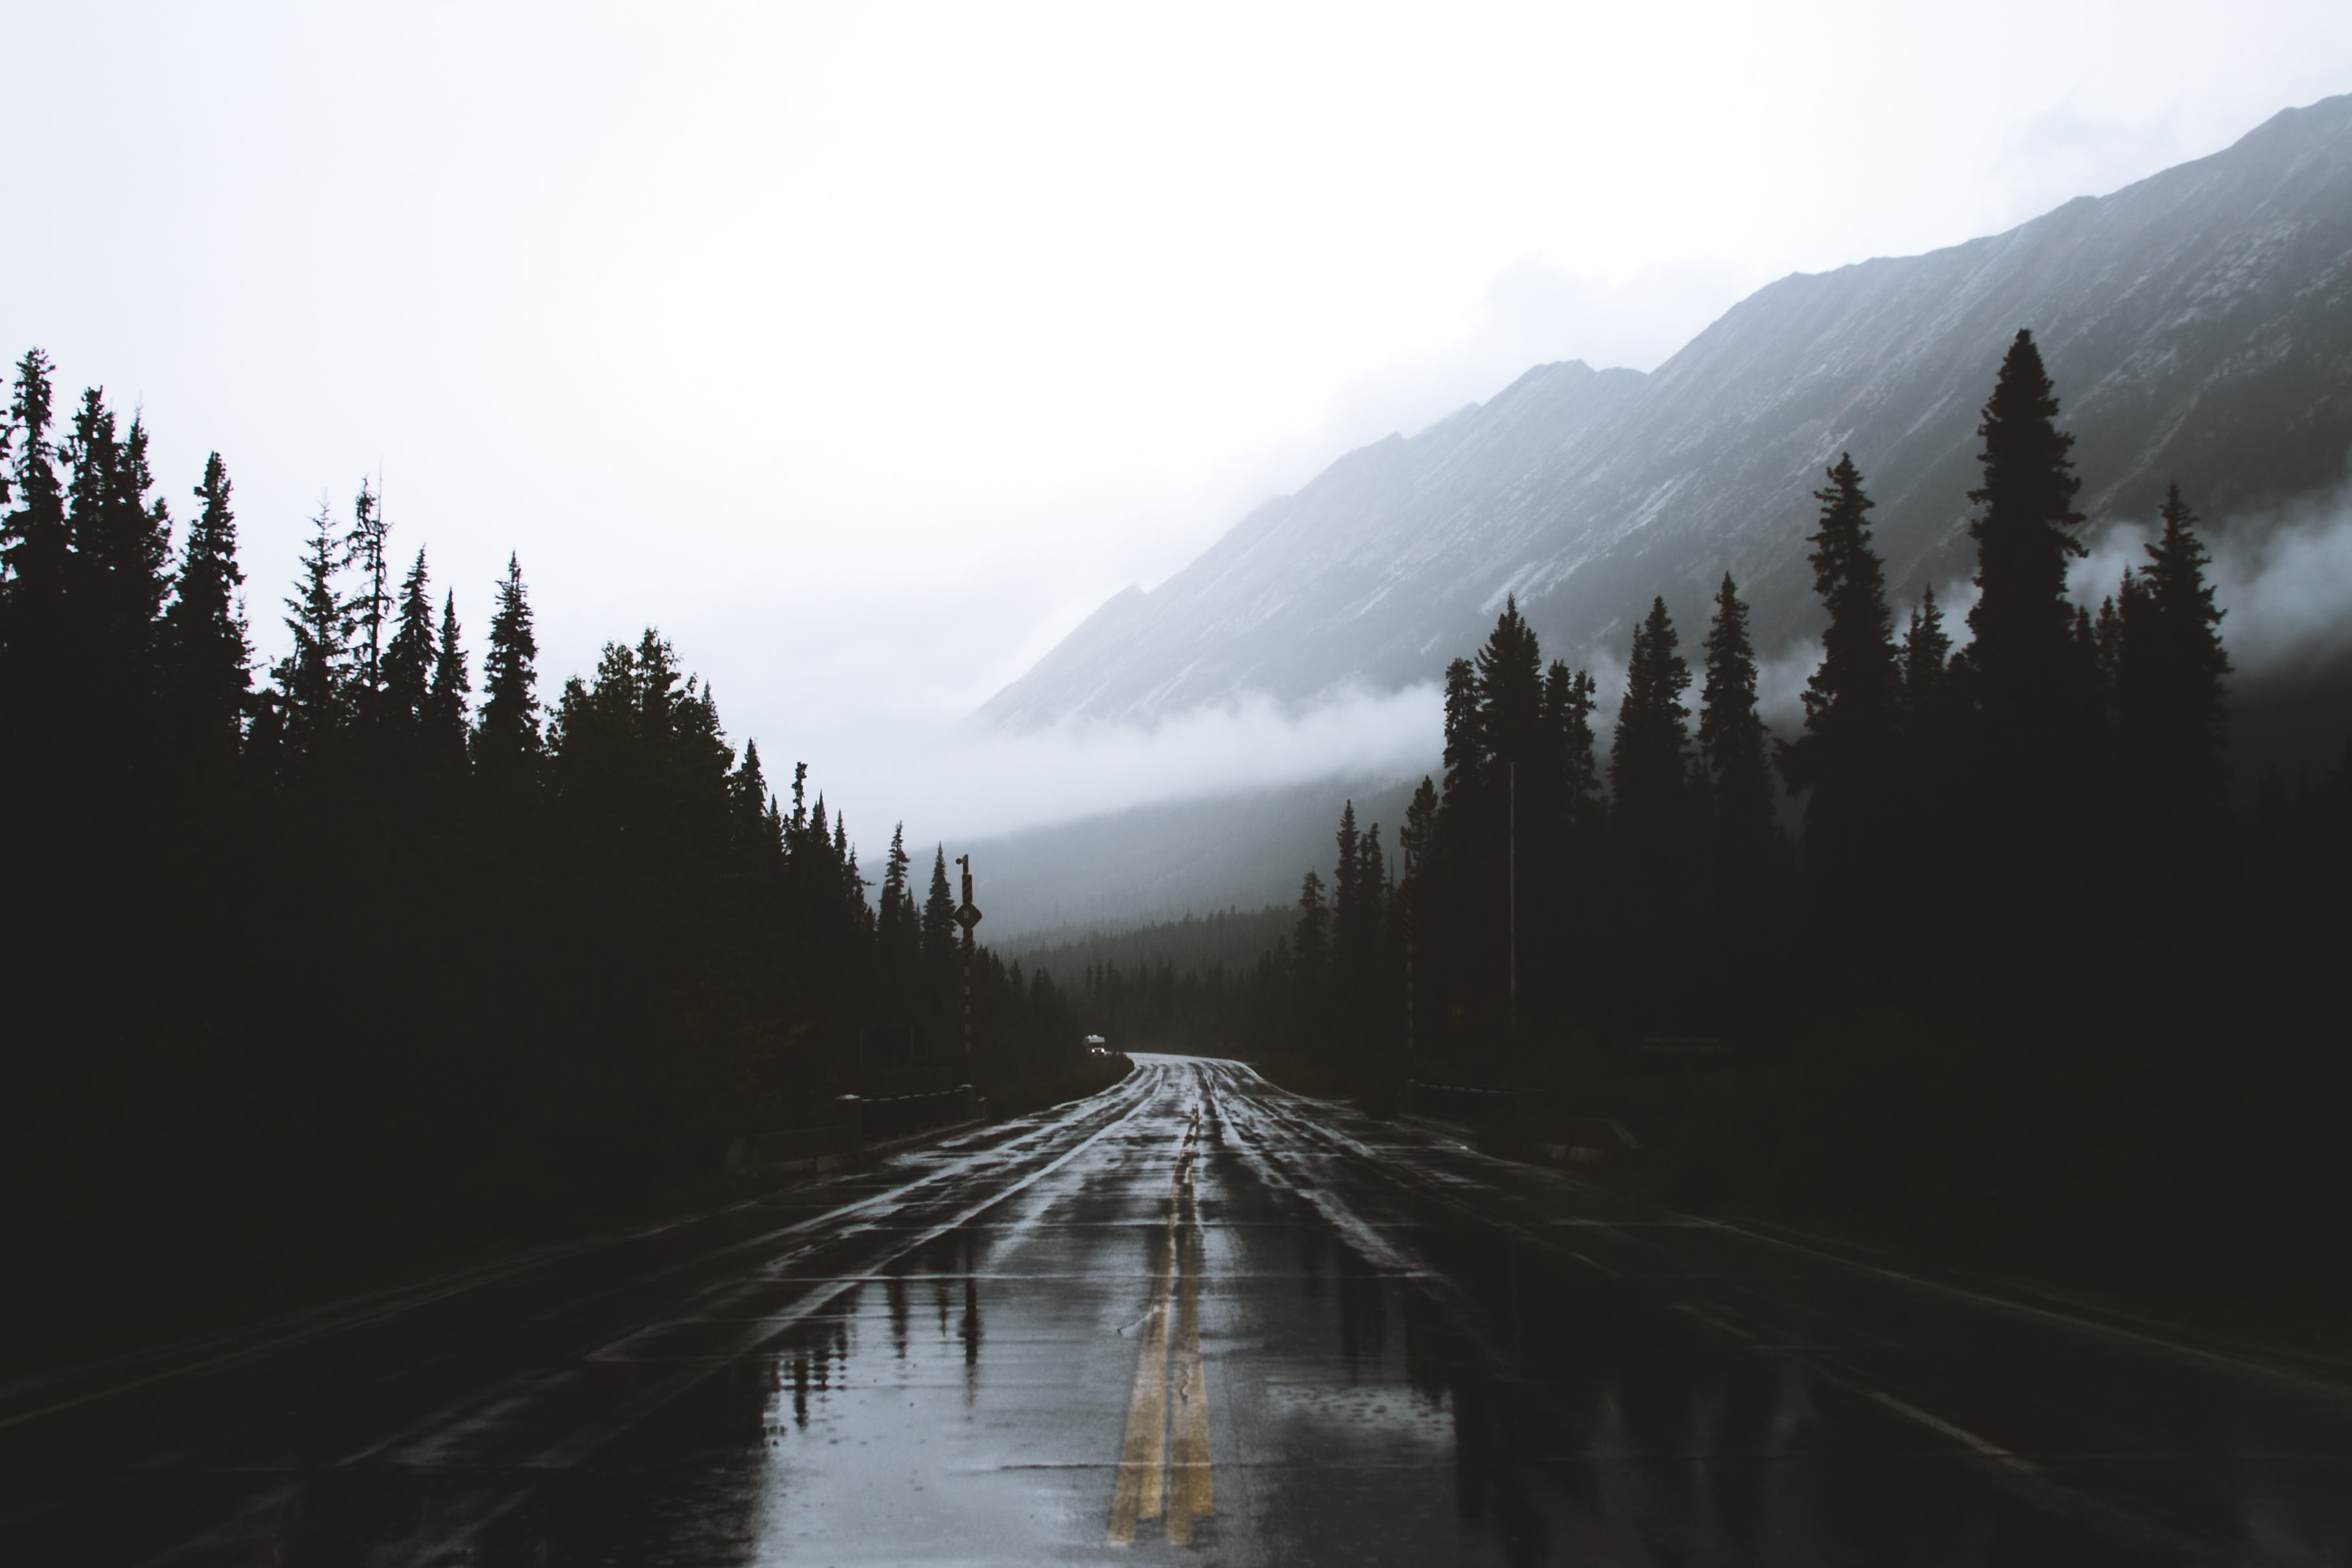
(2198, 324)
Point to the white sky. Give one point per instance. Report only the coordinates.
(866, 349)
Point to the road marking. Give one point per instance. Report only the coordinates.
(1142, 1457)
(1156, 1479)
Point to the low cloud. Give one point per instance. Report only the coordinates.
(2284, 578)
(968, 781)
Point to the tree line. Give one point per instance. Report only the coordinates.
(1965, 829)
(299, 959)
(2008, 872)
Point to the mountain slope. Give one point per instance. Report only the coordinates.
(2198, 324)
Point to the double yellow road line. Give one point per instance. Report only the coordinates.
(1157, 1476)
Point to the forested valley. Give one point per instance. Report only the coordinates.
(356, 958)
(1991, 958)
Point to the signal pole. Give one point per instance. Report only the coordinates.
(967, 915)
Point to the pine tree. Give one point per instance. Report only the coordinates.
(117, 584)
(407, 663)
(1349, 899)
(1465, 742)
(506, 741)
(1311, 948)
(1731, 736)
(1569, 700)
(312, 693)
(35, 557)
(897, 926)
(2024, 649)
(1420, 822)
(445, 722)
(1509, 684)
(208, 655)
(1926, 653)
(365, 547)
(1853, 695)
(939, 931)
(2032, 673)
(2171, 691)
(1648, 757)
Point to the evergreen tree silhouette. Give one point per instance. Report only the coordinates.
(1569, 701)
(311, 698)
(1848, 761)
(365, 548)
(897, 925)
(446, 723)
(1648, 757)
(117, 581)
(1731, 736)
(1311, 962)
(2022, 622)
(2031, 669)
(35, 558)
(506, 739)
(208, 652)
(2171, 681)
(1930, 752)
(942, 937)
(1465, 742)
(407, 664)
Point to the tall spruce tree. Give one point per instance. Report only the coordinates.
(2035, 730)
(117, 584)
(507, 740)
(940, 935)
(2171, 690)
(1310, 966)
(897, 925)
(366, 548)
(208, 652)
(407, 663)
(312, 699)
(1649, 756)
(445, 723)
(1466, 745)
(1848, 761)
(2026, 649)
(35, 557)
(1927, 653)
(1731, 738)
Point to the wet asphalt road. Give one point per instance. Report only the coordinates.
(1192, 1319)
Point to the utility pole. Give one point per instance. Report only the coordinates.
(967, 915)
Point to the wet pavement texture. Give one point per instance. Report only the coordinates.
(1192, 1317)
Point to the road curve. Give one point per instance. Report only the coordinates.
(1192, 1318)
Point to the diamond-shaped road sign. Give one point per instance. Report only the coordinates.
(967, 916)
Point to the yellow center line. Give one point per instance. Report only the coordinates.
(1148, 1472)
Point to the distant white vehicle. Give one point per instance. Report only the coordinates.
(1096, 1043)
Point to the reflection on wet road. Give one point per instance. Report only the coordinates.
(1193, 1317)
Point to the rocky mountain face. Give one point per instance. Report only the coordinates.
(2198, 325)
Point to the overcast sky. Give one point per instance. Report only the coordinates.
(867, 348)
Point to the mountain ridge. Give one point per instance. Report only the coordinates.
(2197, 323)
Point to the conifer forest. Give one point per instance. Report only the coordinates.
(382, 946)
(1993, 956)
